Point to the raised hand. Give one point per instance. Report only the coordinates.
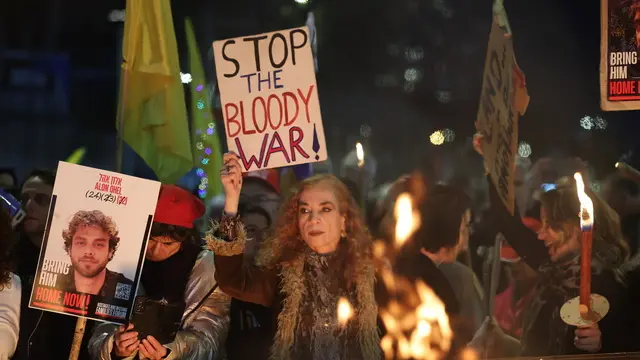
(231, 178)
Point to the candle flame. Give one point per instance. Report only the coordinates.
(407, 219)
(345, 311)
(360, 154)
(586, 205)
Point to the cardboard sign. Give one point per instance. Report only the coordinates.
(502, 100)
(94, 243)
(269, 99)
(619, 63)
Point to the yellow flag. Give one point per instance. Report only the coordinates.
(152, 108)
(77, 155)
(207, 152)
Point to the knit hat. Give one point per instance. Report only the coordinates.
(178, 207)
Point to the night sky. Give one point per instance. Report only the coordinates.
(363, 47)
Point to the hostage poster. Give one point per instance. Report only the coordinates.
(619, 66)
(94, 243)
(269, 99)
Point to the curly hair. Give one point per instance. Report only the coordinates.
(285, 243)
(562, 209)
(91, 218)
(5, 245)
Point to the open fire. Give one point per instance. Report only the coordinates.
(415, 318)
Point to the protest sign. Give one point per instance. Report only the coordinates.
(619, 65)
(502, 101)
(269, 99)
(94, 243)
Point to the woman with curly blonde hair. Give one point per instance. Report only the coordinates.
(320, 251)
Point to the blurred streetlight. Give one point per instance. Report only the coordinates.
(437, 138)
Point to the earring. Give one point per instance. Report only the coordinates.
(343, 234)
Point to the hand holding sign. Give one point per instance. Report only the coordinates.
(269, 99)
(231, 178)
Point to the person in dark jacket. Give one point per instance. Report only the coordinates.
(251, 329)
(43, 335)
(554, 253)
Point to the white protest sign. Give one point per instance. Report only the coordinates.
(269, 99)
(94, 243)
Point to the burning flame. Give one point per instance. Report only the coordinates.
(418, 327)
(586, 205)
(407, 219)
(360, 154)
(345, 311)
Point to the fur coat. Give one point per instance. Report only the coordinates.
(282, 287)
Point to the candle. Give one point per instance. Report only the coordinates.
(586, 228)
(360, 155)
(363, 177)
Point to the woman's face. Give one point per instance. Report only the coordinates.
(36, 196)
(320, 222)
(557, 245)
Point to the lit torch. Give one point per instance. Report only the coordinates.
(407, 219)
(587, 308)
(360, 155)
(363, 176)
(586, 227)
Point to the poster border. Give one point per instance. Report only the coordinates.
(605, 103)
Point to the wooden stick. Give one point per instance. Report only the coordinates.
(81, 324)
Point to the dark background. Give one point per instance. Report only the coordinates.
(401, 68)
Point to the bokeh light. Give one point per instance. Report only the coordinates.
(437, 138)
(449, 135)
(524, 149)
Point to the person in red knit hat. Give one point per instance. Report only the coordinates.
(176, 270)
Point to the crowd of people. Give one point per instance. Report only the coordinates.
(261, 277)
